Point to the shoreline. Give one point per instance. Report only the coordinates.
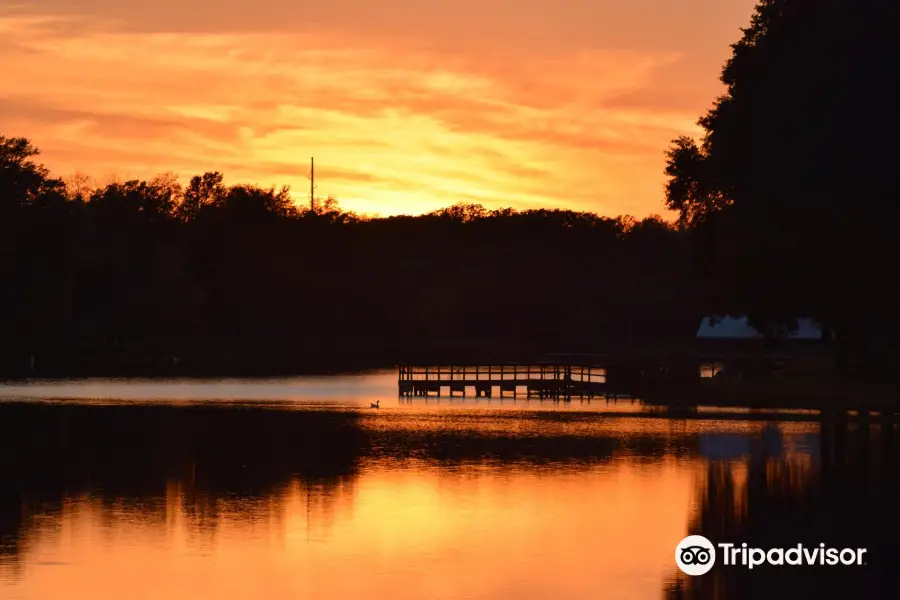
(262, 358)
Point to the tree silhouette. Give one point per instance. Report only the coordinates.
(789, 191)
(232, 279)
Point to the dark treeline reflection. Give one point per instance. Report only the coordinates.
(130, 454)
(847, 498)
(134, 455)
(123, 277)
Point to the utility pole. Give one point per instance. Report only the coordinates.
(312, 184)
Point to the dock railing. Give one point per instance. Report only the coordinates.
(502, 373)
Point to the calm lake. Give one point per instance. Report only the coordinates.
(296, 488)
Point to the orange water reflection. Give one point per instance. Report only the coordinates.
(412, 532)
(233, 503)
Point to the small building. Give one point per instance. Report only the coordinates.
(731, 340)
(738, 328)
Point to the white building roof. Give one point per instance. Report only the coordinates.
(738, 328)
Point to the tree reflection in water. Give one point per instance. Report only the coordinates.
(845, 496)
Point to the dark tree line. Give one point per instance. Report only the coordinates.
(787, 207)
(132, 274)
(791, 196)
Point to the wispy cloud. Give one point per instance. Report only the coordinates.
(395, 125)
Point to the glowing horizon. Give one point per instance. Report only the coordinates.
(407, 109)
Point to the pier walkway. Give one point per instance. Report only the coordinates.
(543, 380)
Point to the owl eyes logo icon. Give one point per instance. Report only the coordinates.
(695, 555)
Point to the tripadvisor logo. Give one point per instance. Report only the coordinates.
(696, 555)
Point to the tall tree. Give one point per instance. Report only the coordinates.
(792, 184)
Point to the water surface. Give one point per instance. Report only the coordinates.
(296, 488)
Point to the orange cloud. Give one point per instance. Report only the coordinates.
(396, 124)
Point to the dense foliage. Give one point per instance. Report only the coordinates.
(219, 276)
(791, 194)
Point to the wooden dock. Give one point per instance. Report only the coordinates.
(542, 380)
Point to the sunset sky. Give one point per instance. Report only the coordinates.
(407, 105)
